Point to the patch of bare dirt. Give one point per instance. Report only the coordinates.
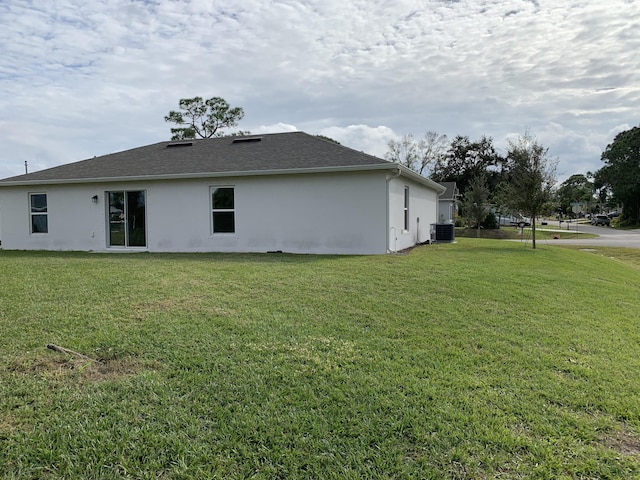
(56, 366)
(8, 426)
(623, 442)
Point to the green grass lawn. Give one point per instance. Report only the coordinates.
(479, 359)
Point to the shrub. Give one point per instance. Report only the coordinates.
(490, 221)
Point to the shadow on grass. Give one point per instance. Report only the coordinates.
(267, 257)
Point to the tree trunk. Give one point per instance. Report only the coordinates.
(533, 231)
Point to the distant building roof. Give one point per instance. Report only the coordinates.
(451, 192)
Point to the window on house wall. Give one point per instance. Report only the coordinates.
(406, 208)
(38, 213)
(223, 213)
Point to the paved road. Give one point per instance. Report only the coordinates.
(607, 237)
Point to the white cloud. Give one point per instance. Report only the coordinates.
(371, 140)
(275, 128)
(84, 78)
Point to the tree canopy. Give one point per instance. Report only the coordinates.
(418, 155)
(201, 118)
(531, 176)
(476, 200)
(403, 151)
(466, 160)
(576, 188)
(328, 139)
(621, 172)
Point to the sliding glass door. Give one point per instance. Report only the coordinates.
(127, 219)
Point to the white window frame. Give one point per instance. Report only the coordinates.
(213, 210)
(39, 214)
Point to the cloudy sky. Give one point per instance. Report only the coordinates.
(80, 78)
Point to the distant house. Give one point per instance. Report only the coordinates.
(289, 192)
(448, 203)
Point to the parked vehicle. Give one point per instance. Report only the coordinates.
(514, 220)
(600, 220)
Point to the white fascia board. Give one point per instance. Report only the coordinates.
(404, 171)
(186, 176)
(407, 172)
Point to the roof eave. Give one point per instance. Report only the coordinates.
(407, 172)
(187, 176)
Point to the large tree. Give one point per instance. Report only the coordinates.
(621, 172)
(403, 151)
(476, 200)
(203, 118)
(418, 155)
(466, 160)
(577, 188)
(431, 148)
(602, 192)
(531, 176)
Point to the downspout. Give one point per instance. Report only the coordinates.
(389, 227)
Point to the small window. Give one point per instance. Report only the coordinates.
(223, 210)
(406, 208)
(38, 213)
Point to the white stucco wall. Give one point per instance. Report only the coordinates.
(333, 213)
(320, 213)
(329, 213)
(423, 208)
(75, 222)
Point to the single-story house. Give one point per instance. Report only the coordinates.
(448, 203)
(289, 192)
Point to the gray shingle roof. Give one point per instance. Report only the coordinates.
(273, 152)
(451, 192)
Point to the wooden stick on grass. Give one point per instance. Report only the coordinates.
(57, 348)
